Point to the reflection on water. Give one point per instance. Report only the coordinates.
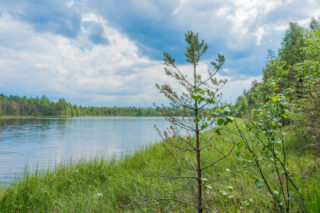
(45, 142)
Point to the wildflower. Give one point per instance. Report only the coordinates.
(98, 195)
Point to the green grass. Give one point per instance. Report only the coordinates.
(133, 184)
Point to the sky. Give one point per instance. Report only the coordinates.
(109, 53)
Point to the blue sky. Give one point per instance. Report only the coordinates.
(103, 52)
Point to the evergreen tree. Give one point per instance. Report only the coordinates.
(198, 100)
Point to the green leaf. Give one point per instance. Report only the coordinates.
(218, 131)
(220, 121)
(204, 126)
(211, 101)
(258, 182)
(274, 99)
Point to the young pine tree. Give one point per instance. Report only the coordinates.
(197, 98)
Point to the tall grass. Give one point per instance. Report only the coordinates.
(133, 184)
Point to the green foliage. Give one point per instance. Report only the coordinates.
(288, 98)
(265, 145)
(23, 106)
(196, 48)
(292, 45)
(314, 24)
(296, 68)
(307, 102)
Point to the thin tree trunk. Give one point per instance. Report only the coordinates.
(199, 169)
(199, 175)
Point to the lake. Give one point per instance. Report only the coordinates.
(44, 142)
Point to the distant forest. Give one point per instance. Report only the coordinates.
(23, 106)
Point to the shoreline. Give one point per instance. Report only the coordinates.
(57, 117)
(123, 185)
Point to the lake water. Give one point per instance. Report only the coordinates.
(45, 142)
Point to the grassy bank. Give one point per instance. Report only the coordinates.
(133, 184)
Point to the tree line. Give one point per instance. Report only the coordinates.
(24, 106)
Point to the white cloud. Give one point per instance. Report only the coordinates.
(43, 63)
(238, 22)
(89, 17)
(259, 35)
(238, 29)
(235, 86)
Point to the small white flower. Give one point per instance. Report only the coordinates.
(223, 193)
(98, 195)
(209, 187)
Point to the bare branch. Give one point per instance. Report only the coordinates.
(224, 156)
(208, 79)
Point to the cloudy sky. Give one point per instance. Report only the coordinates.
(104, 52)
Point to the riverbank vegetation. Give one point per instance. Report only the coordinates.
(135, 183)
(295, 71)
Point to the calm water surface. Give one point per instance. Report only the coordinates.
(45, 142)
